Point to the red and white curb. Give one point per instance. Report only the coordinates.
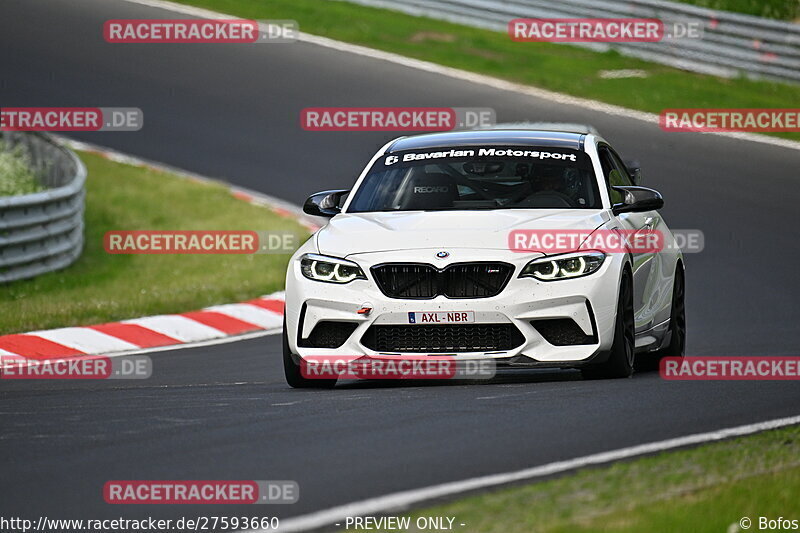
(211, 323)
(162, 332)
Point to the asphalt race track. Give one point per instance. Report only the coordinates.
(224, 411)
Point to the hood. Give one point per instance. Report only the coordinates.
(348, 234)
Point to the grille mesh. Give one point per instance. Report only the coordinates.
(442, 338)
(459, 280)
(562, 332)
(328, 334)
(407, 280)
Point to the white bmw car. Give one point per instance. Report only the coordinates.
(418, 259)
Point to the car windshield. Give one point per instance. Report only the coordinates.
(464, 178)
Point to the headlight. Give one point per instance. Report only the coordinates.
(330, 269)
(565, 266)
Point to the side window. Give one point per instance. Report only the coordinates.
(620, 166)
(605, 161)
(614, 171)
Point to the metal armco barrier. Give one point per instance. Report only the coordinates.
(731, 44)
(43, 231)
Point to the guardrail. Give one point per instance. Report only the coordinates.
(43, 231)
(732, 44)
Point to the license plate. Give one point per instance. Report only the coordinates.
(441, 317)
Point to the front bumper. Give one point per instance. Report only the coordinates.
(589, 301)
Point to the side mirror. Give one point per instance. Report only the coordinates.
(637, 200)
(634, 170)
(325, 203)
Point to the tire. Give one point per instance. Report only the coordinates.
(291, 370)
(619, 363)
(650, 362)
(677, 319)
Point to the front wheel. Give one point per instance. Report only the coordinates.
(294, 376)
(619, 363)
(676, 329)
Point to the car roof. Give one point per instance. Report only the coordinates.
(503, 137)
(567, 127)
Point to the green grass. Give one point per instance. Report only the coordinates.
(16, 175)
(775, 9)
(704, 489)
(101, 287)
(566, 69)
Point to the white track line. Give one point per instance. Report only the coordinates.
(8, 358)
(200, 344)
(258, 198)
(403, 500)
(471, 77)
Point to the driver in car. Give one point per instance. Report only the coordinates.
(549, 179)
(550, 188)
